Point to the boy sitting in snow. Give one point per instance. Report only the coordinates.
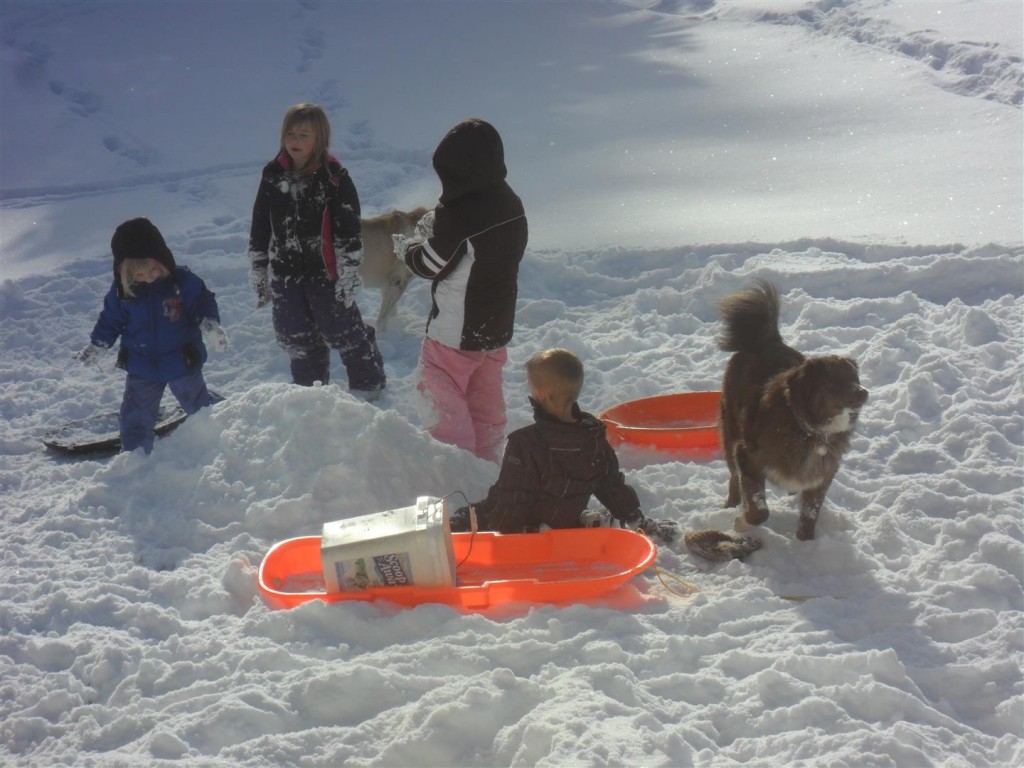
(551, 468)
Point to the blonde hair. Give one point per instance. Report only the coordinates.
(127, 269)
(560, 372)
(316, 117)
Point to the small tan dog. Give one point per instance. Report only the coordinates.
(381, 268)
(786, 418)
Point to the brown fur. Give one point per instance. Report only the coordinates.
(381, 268)
(784, 418)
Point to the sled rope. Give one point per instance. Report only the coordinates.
(690, 589)
(472, 531)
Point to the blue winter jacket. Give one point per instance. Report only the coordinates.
(159, 326)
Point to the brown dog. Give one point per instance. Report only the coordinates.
(784, 417)
(381, 268)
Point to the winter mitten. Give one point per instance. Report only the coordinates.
(348, 285)
(401, 243)
(718, 545)
(425, 227)
(666, 530)
(91, 355)
(259, 281)
(214, 337)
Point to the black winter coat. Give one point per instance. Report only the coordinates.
(548, 474)
(305, 225)
(479, 238)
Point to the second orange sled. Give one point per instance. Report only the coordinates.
(684, 424)
(556, 566)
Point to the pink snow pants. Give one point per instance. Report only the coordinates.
(461, 400)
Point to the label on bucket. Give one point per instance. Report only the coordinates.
(395, 548)
(393, 569)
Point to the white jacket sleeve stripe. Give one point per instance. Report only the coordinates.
(431, 261)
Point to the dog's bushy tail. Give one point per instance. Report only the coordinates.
(751, 318)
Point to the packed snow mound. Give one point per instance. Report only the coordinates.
(282, 459)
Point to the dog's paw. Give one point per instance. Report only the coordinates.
(756, 511)
(741, 525)
(805, 529)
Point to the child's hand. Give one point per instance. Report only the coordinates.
(91, 355)
(401, 244)
(214, 337)
(425, 227)
(348, 285)
(423, 232)
(259, 281)
(666, 530)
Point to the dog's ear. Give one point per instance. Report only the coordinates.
(798, 393)
(840, 374)
(821, 387)
(810, 392)
(854, 394)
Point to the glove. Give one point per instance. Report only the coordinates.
(348, 285)
(401, 244)
(424, 227)
(259, 281)
(214, 337)
(423, 232)
(666, 530)
(91, 355)
(718, 546)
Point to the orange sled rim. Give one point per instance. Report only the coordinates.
(684, 424)
(557, 566)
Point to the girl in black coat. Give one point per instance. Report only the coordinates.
(305, 249)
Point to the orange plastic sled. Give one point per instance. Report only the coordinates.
(551, 567)
(683, 424)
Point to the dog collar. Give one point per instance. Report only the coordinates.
(819, 437)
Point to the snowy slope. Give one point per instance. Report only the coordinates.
(865, 156)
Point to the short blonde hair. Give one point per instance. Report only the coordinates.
(316, 117)
(127, 269)
(560, 372)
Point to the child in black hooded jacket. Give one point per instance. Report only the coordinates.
(469, 247)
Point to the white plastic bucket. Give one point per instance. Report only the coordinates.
(400, 547)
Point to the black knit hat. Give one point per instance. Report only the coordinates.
(139, 239)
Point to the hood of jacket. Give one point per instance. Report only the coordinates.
(469, 159)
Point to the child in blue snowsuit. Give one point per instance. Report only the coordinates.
(166, 317)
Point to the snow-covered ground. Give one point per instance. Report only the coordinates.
(866, 156)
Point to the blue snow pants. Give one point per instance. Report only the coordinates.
(140, 406)
(309, 321)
